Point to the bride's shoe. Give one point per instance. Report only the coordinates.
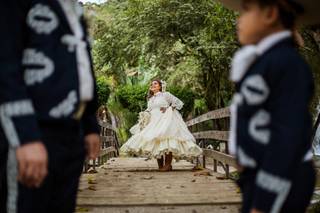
(160, 163)
(166, 168)
(168, 160)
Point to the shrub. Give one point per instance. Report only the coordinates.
(187, 96)
(133, 97)
(103, 90)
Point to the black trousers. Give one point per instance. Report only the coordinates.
(299, 196)
(65, 146)
(3, 166)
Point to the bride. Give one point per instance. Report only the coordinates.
(161, 132)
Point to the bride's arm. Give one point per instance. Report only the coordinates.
(173, 101)
(148, 107)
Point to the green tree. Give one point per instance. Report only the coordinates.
(189, 43)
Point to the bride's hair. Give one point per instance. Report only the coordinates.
(150, 93)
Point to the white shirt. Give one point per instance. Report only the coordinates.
(247, 55)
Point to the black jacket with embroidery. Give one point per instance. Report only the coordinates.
(273, 122)
(38, 73)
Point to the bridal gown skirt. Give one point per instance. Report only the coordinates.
(166, 132)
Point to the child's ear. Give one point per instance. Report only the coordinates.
(271, 15)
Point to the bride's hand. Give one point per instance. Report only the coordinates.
(163, 109)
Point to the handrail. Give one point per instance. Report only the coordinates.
(106, 125)
(212, 134)
(223, 159)
(109, 146)
(212, 115)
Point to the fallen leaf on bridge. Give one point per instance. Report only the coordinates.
(92, 188)
(203, 173)
(148, 178)
(81, 209)
(92, 171)
(91, 179)
(92, 182)
(238, 190)
(221, 177)
(196, 168)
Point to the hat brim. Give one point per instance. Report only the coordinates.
(311, 15)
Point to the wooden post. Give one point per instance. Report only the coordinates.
(94, 164)
(203, 156)
(215, 166)
(204, 161)
(86, 166)
(227, 171)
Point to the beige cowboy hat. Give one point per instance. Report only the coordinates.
(311, 7)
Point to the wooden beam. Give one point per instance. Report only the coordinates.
(219, 156)
(216, 114)
(212, 134)
(106, 125)
(107, 138)
(106, 151)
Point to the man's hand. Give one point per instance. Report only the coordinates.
(239, 168)
(33, 164)
(92, 143)
(163, 109)
(255, 211)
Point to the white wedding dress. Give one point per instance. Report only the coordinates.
(165, 132)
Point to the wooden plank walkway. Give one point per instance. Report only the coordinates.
(133, 185)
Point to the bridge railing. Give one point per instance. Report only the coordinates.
(220, 136)
(109, 146)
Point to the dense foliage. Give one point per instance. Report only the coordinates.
(103, 90)
(134, 97)
(187, 43)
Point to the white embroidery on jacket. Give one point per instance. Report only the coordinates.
(245, 160)
(274, 184)
(73, 42)
(257, 127)
(66, 107)
(237, 100)
(42, 19)
(255, 90)
(76, 43)
(79, 9)
(44, 66)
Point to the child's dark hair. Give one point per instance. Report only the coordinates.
(150, 93)
(289, 10)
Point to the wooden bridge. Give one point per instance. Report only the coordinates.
(113, 184)
(134, 185)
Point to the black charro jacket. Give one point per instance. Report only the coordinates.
(38, 72)
(273, 130)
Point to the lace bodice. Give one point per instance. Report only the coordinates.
(164, 99)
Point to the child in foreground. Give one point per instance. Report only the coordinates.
(270, 123)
